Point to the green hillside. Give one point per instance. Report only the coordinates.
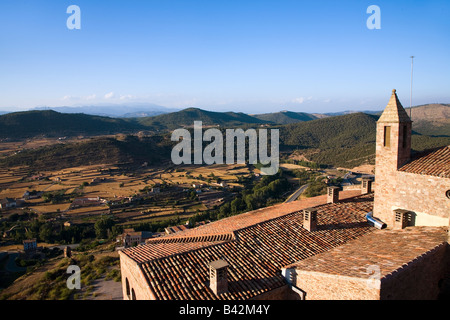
(344, 141)
(53, 124)
(153, 150)
(187, 117)
(285, 117)
(333, 132)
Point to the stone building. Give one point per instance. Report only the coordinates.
(30, 245)
(326, 247)
(131, 238)
(418, 184)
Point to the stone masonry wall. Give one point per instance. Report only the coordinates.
(320, 286)
(130, 270)
(423, 195)
(418, 280)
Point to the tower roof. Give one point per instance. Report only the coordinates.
(394, 111)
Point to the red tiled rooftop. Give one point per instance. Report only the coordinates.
(387, 249)
(263, 242)
(432, 163)
(228, 225)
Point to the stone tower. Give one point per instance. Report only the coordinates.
(393, 150)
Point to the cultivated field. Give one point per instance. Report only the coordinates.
(115, 184)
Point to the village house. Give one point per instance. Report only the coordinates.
(29, 195)
(386, 240)
(131, 238)
(8, 203)
(175, 229)
(30, 245)
(87, 202)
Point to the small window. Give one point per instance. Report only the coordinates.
(387, 137)
(127, 284)
(133, 295)
(405, 135)
(448, 194)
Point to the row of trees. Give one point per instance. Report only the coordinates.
(255, 195)
(27, 226)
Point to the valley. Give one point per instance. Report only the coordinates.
(85, 180)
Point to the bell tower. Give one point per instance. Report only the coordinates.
(393, 136)
(393, 150)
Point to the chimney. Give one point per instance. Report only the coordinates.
(333, 194)
(401, 218)
(310, 219)
(366, 186)
(218, 273)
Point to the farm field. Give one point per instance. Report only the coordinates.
(119, 185)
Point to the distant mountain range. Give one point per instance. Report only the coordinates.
(433, 119)
(345, 141)
(134, 110)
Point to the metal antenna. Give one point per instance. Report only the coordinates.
(410, 98)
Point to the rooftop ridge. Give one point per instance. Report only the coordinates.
(205, 245)
(255, 217)
(213, 237)
(155, 251)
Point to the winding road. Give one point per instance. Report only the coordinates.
(297, 193)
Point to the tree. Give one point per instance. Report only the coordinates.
(46, 232)
(102, 226)
(237, 205)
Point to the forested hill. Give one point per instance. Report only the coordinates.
(331, 132)
(345, 141)
(130, 149)
(187, 117)
(341, 141)
(53, 124)
(285, 117)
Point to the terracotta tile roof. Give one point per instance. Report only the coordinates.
(260, 247)
(432, 163)
(244, 220)
(390, 250)
(148, 252)
(176, 229)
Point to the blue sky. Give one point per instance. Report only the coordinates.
(224, 55)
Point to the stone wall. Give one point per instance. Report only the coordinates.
(282, 293)
(321, 286)
(131, 271)
(423, 195)
(419, 279)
